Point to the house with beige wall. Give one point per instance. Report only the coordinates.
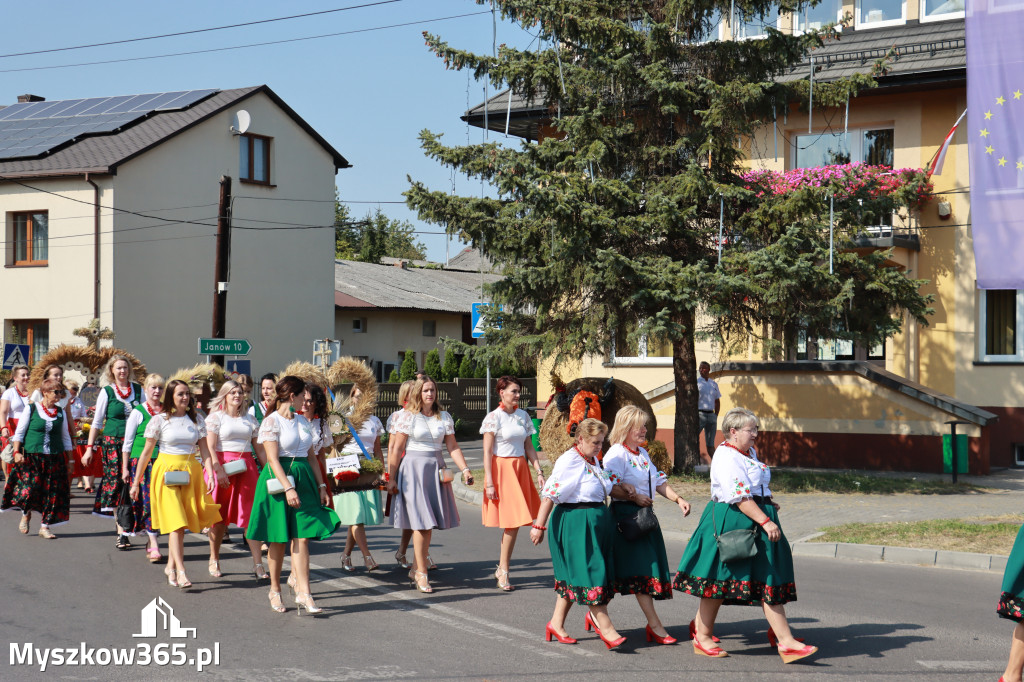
(111, 212)
(835, 403)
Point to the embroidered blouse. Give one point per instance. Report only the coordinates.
(426, 434)
(575, 480)
(735, 477)
(175, 435)
(637, 470)
(368, 432)
(510, 431)
(47, 436)
(293, 436)
(234, 434)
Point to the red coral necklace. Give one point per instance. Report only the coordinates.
(49, 414)
(730, 445)
(588, 461)
(123, 396)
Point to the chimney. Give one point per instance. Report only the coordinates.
(402, 264)
(30, 98)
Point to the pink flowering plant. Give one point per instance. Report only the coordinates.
(908, 187)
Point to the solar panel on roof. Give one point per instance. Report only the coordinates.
(34, 128)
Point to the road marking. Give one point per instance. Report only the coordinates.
(978, 666)
(447, 615)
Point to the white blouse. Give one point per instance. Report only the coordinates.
(78, 409)
(18, 403)
(294, 436)
(637, 470)
(426, 434)
(510, 431)
(65, 436)
(735, 477)
(175, 435)
(131, 428)
(234, 434)
(367, 434)
(575, 480)
(390, 426)
(322, 437)
(100, 416)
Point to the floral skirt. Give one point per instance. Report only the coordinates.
(174, 507)
(40, 484)
(109, 490)
(767, 577)
(1011, 600)
(641, 566)
(143, 518)
(518, 502)
(580, 540)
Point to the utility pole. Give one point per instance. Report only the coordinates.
(223, 259)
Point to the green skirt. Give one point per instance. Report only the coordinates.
(641, 566)
(581, 543)
(767, 577)
(272, 520)
(359, 507)
(1011, 601)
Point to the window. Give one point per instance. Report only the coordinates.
(35, 333)
(940, 10)
(655, 349)
(359, 325)
(254, 159)
(874, 146)
(815, 18)
(1001, 313)
(29, 238)
(755, 26)
(872, 13)
(429, 327)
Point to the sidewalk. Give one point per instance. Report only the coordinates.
(803, 516)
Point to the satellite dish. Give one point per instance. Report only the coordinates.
(240, 122)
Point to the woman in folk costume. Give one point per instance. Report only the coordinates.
(113, 407)
(39, 476)
(359, 508)
(134, 444)
(12, 404)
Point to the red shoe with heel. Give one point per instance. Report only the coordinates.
(717, 652)
(652, 636)
(693, 632)
(589, 624)
(549, 633)
(773, 641)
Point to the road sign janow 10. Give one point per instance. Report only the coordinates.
(224, 346)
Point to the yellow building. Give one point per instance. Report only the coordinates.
(835, 404)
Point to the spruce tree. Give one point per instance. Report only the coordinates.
(408, 369)
(394, 377)
(432, 365)
(607, 228)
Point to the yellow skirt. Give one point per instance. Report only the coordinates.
(174, 507)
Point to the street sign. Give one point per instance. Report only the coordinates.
(478, 320)
(237, 368)
(224, 346)
(15, 354)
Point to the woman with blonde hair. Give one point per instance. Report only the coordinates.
(510, 497)
(131, 450)
(12, 404)
(114, 405)
(232, 434)
(581, 535)
(740, 500)
(641, 563)
(403, 543)
(178, 497)
(424, 499)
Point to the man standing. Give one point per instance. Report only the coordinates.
(708, 404)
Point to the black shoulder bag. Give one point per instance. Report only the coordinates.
(643, 522)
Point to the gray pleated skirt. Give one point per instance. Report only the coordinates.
(423, 502)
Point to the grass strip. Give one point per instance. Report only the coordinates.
(984, 535)
(795, 482)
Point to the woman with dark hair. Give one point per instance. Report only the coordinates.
(12, 404)
(261, 408)
(293, 511)
(510, 498)
(39, 477)
(314, 409)
(114, 404)
(178, 496)
(424, 499)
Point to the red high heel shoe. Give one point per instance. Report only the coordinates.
(549, 633)
(693, 632)
(773, 641)
(589, 624)
(717, 652)
(611, 643)
(667, 639)
(791, 655)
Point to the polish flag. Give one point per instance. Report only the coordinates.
(940, 158)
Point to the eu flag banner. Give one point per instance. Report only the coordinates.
(995, 102)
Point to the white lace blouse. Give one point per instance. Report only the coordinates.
(575, 480)
(637, 470)
(368, 433)
(176, 435)
(234, 434)
(293, 436)
(426, 434)
(735, 477)
(510, 431)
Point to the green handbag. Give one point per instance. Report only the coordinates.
(736, 545)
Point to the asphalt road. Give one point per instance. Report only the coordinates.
(872, 621)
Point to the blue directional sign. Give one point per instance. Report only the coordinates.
(478, 320)
(238, 367)
(15, 354)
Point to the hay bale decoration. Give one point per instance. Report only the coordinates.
(85, 362)
(348, 370)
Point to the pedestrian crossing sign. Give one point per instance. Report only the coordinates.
(479, 330)
(15, 354)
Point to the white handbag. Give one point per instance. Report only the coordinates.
(177, 478)
(235, 467)
(274, 486)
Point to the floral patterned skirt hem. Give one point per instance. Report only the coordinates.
(143, 519)
(642, 584)
(588, 596)
(109, 490)
(735, 592)
(39, 484)
(1010, 607)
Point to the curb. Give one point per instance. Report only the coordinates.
(466, 495)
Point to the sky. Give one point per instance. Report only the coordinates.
(369, 93)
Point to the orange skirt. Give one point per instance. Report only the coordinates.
(518, 502)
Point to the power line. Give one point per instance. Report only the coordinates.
(198, 30)
(239, 47)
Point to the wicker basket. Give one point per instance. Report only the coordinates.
(366, 481)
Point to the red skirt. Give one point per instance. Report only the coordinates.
(95, 467)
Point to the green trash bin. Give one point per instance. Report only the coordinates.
(961, 454)
(536, 437)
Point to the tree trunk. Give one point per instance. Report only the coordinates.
(684, 374)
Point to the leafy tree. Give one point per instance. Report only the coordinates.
(346, 234)
(466, 369)
(611, 220)
(394, 377)
(450, 369)
(408, 370)
(373, 237)
(432, 365)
